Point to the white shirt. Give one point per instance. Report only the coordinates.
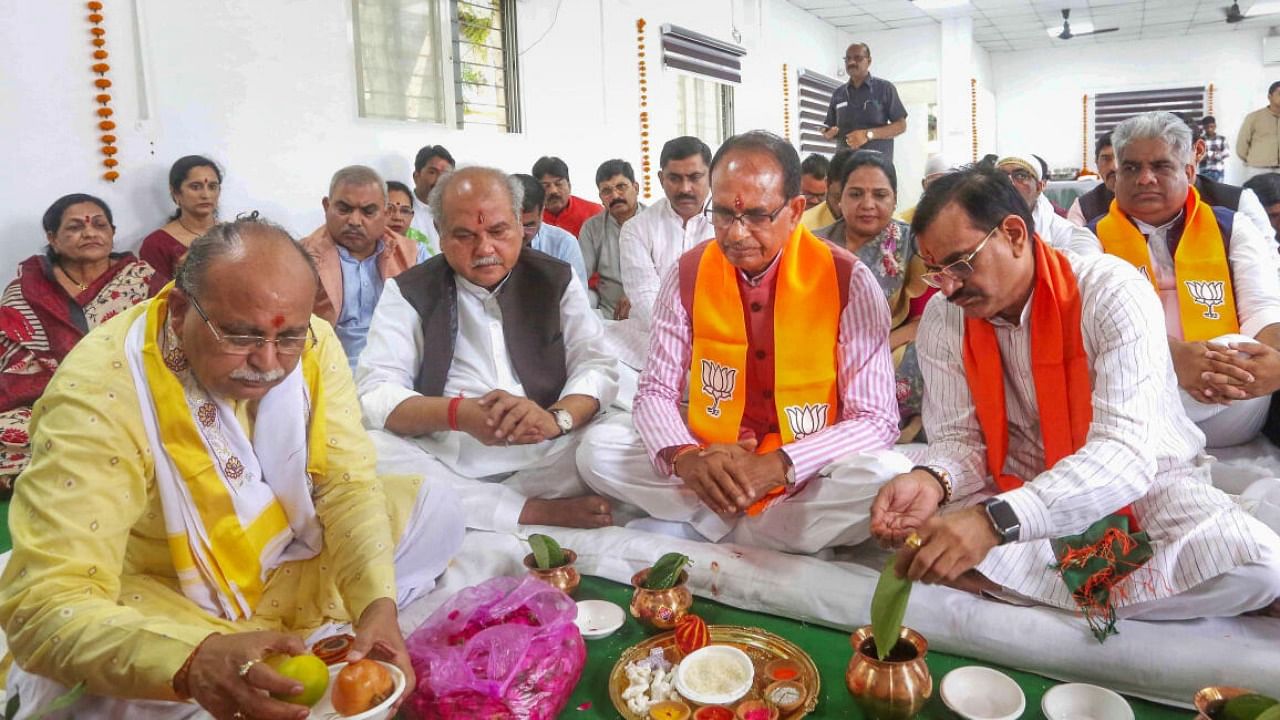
(1057, 230)
(1254, 274)
(1141, 447)
(424, 221)
(651, 242)
(392, 358)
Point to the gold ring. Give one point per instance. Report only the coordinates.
(247, 666)
(238, 715)
(914, 541)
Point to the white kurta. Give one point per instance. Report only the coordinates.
(389, 367)
(1057, 230)
(1141, 448)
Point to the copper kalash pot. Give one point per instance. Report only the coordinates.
(659, 609)
(895, 688)
(564, 577)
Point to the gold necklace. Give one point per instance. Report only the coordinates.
(67, 275)
(184, 227)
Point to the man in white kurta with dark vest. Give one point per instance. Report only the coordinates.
(1061, 469)
(781, 341)
(484, 363)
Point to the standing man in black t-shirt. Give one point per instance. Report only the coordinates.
(865, 113)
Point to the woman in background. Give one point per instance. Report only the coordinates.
(60, 295)
(195, 184)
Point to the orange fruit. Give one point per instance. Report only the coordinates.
(360, 686)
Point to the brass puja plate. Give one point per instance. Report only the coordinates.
(761, 646)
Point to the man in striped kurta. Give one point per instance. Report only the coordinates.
(1004, 529)
(781, 342)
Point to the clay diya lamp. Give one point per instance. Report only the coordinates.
(786, 695)
(669, 710)
(660, 609)
(895, 688)
(565, 577)
(756, 710)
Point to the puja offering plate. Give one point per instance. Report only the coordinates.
(763, 648)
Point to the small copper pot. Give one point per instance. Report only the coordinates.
(659, 609)
(565, 577)
(888, 689)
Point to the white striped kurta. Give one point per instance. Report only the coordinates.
(1141, 448)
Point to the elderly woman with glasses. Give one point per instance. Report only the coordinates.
(886, 246)
(57, 298)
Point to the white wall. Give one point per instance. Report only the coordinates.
(1038, 93)
(268, 90)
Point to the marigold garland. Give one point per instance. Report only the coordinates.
(973, 115)
(1210, 112)
(642, 72)
(786, 103)
(1084, 132)
(101, 68)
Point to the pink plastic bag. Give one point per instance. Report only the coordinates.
(506, 648)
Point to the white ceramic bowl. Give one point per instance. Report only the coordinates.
(980, 693)
(323, 710)
(714, 654)
(598, 618)
(1078, 701)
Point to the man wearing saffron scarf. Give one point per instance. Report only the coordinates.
(1214, 271)
(1061, 469)
(202, 495)
(781, 342)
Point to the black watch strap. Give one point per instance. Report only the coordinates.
(1005, 521)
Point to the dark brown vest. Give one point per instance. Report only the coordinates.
(530, 302)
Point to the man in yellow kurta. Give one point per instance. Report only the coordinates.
(202, 495)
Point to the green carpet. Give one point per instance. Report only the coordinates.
(829, 648)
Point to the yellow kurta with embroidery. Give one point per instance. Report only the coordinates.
(90, 592)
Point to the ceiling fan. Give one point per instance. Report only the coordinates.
(1066, 33)
(1233, 13)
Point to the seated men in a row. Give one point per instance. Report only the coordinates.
(484, 362)
(598, 238)
(355, 252)
(1215, 274)
(202, 495)
(545, 237)
(563, 209)
(1025, 172)
(1055, 428)
(773, 400)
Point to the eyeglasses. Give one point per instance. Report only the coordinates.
(958, 271)
(722, 219)
(401, 210)
(247, 344)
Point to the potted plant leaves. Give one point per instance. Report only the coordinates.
(551, 563)
(660, 596)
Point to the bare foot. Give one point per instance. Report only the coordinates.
(588, 511)
(1272, 610)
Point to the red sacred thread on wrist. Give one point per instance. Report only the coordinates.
(453, 412)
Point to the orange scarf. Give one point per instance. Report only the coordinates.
(1059, 367)
(804, 352)
(1206, 300)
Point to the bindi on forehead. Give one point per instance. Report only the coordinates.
(277, 322)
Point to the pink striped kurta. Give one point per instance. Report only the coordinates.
(868, 418)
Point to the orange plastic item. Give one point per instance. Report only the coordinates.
(360, 686)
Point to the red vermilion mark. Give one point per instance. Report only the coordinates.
(277, 321)
(480, 218)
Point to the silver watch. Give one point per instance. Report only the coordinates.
(563, 420)
(871, 134)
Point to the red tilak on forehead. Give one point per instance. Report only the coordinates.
(737, 202)
(277, 321)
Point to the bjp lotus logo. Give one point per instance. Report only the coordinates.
(807, 419)
(718, 382)
(1208, 293)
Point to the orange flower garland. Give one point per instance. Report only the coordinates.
(973, 115)
(786, 103)
(1210, 100)
(646, 166)
(103, 99)
(1084, 132)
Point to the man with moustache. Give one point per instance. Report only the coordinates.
(202, 496)
(1060, 469)
(780, 342)
(866, 112)
(355, 252)
(563, 209)
(429, 165)
(1213, 270)
(484, 363)
(599, 238)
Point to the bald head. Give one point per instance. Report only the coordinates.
(242, 243)
(477, 211)
(470, 181)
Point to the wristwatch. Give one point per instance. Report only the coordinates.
(871, 134)
(1003, 519)
(564, 420)
(788, 478)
